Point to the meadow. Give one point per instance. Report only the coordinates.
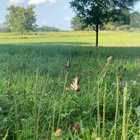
(36, 102)
(106, 38)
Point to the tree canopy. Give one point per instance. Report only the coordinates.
(76, 23)
(98, 12)
(21, 19)
(135, 19)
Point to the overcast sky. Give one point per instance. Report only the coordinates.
(55, 13)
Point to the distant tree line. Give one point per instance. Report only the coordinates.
(47, 29)
(4, 28)
(130, 21)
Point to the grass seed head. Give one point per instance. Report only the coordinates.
(76, 127)
(110, 58)
(119, 78)
(58, 133)
(98, 138)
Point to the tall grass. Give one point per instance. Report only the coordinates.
(35, 103)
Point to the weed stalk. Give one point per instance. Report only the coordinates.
(36, 127)
(124, 113)
(128, 119)
(62, 99)
(16, 115)
(98, 110)
(104, 107)
(16, 111)
(117, 109)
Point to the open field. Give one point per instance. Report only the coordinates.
(106, 38)
(36, 102)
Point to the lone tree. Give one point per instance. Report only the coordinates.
(98, 12)
(21, 19)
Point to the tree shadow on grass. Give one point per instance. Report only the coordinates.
(72, 48)
(59, 43)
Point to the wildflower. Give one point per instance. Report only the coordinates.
(138, 75)
(6, 82)
(58, 133)
(119, 78)
(84, 71)
(110, 58)
(76, 127)
(67, 88)
(134, 82)
(0, 108)
(123, 83)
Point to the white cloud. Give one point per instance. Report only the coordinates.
(53, 15)
(50, 2)
(45, 22)
(65, 6)
(36, 2)
(47, 2)
(11, 2)
(66, 18)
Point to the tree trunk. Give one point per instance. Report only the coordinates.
(97, 31)
(21, 31)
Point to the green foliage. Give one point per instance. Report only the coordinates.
(77, 23)
(29, 19)
(21, 19)
(138, 111)
(135, 20)
(126, 21)
(124, 27)
(109, 26)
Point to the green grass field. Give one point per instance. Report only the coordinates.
(106, 38)
(36, 103)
